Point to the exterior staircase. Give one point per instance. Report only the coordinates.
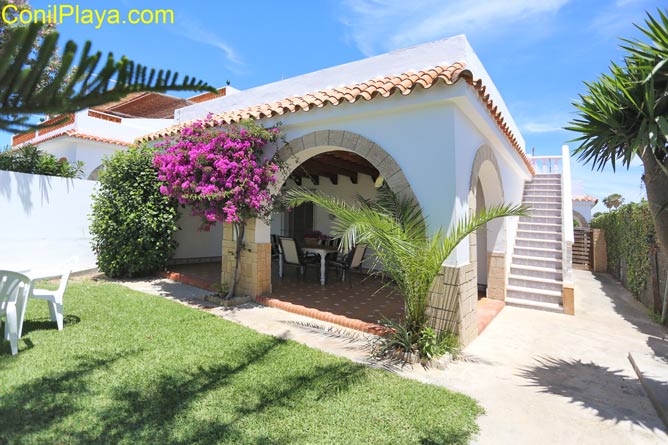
(536, 271)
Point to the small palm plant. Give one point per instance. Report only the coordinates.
(395, 228)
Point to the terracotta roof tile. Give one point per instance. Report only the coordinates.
(89, 137)
(404, 83)
(585, 198)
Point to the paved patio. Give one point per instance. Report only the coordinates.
(368, 299)
(541, 377)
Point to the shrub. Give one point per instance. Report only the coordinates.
(29, 159)
(133, 224)
(629, 235)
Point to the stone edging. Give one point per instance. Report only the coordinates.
(187, 280)
(341, 320)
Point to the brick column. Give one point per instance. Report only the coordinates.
(496, 278)
(255, 274)
(452, 302)
(600, 250)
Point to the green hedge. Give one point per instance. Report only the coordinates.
(629, 235)
(133, 224)
(29, 159)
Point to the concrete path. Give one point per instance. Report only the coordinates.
(541, 377)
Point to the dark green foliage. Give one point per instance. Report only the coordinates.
(80, 82)
(131, 368)
(29, 159)
(629, 235)
(133, 224)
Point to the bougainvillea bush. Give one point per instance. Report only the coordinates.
(221, 172)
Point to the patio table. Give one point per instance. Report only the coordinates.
(322, 251)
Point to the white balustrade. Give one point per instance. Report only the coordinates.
(546, 164)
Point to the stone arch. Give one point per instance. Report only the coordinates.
(95, 174)
(489, 241)
(304, 147)
(580, 219)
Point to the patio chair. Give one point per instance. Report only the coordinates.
(293, 255)
(14, 291)
(275, 247)
(54, 298)
(352, 261)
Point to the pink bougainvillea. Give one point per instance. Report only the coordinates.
(220, 171)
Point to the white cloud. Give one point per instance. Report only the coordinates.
(389, 24)
(194, 30)
(541, 127)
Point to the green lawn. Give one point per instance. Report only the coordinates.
(131, 368)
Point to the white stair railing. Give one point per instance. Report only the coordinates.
(567, 217)
(546, 164)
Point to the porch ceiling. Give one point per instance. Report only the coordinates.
(334, 163)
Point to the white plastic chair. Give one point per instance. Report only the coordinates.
(14, 290)
(54, 298)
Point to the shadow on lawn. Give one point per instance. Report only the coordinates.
(606, 391)
(173, 407)
(45, 324)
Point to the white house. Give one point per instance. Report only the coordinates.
(428, 121)
(582, 206)
(89, 136)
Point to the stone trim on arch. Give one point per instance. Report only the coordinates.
(496, 261)
(95, 174)
(372, 152)
(580, 219)
(483, 154)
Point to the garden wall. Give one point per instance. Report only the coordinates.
(44, 221)
(633, 256)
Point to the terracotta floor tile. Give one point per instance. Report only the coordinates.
(366, 300)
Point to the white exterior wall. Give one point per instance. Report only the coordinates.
(44, 221)
(194, 243)
(584, 209)
(433, 136)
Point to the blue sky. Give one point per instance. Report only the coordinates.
(537, 52)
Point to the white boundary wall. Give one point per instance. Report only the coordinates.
(44, 221)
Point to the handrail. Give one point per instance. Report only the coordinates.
(567, 215)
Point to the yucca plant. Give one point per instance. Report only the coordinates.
(624, 114)
(395, 228)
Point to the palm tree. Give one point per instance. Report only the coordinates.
(613, 201)
(24, 92)
(624, 114)
(396, 230)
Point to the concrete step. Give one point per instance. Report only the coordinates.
(538, 252)
(527, 293)
(537, 305)
(534, 261)
(542, 192)
(534, 205)
(538, 219)
(541, 227)
(547, 175)
(542, 198)
(538, 235)
(543, 186)
(541, 243)
(546, 182)
(535, 283)
(549, 273)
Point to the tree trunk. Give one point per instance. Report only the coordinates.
(240, 231)
(656, 184)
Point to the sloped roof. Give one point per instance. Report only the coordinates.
(585, 198)
(403, 84)
(72, 133)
